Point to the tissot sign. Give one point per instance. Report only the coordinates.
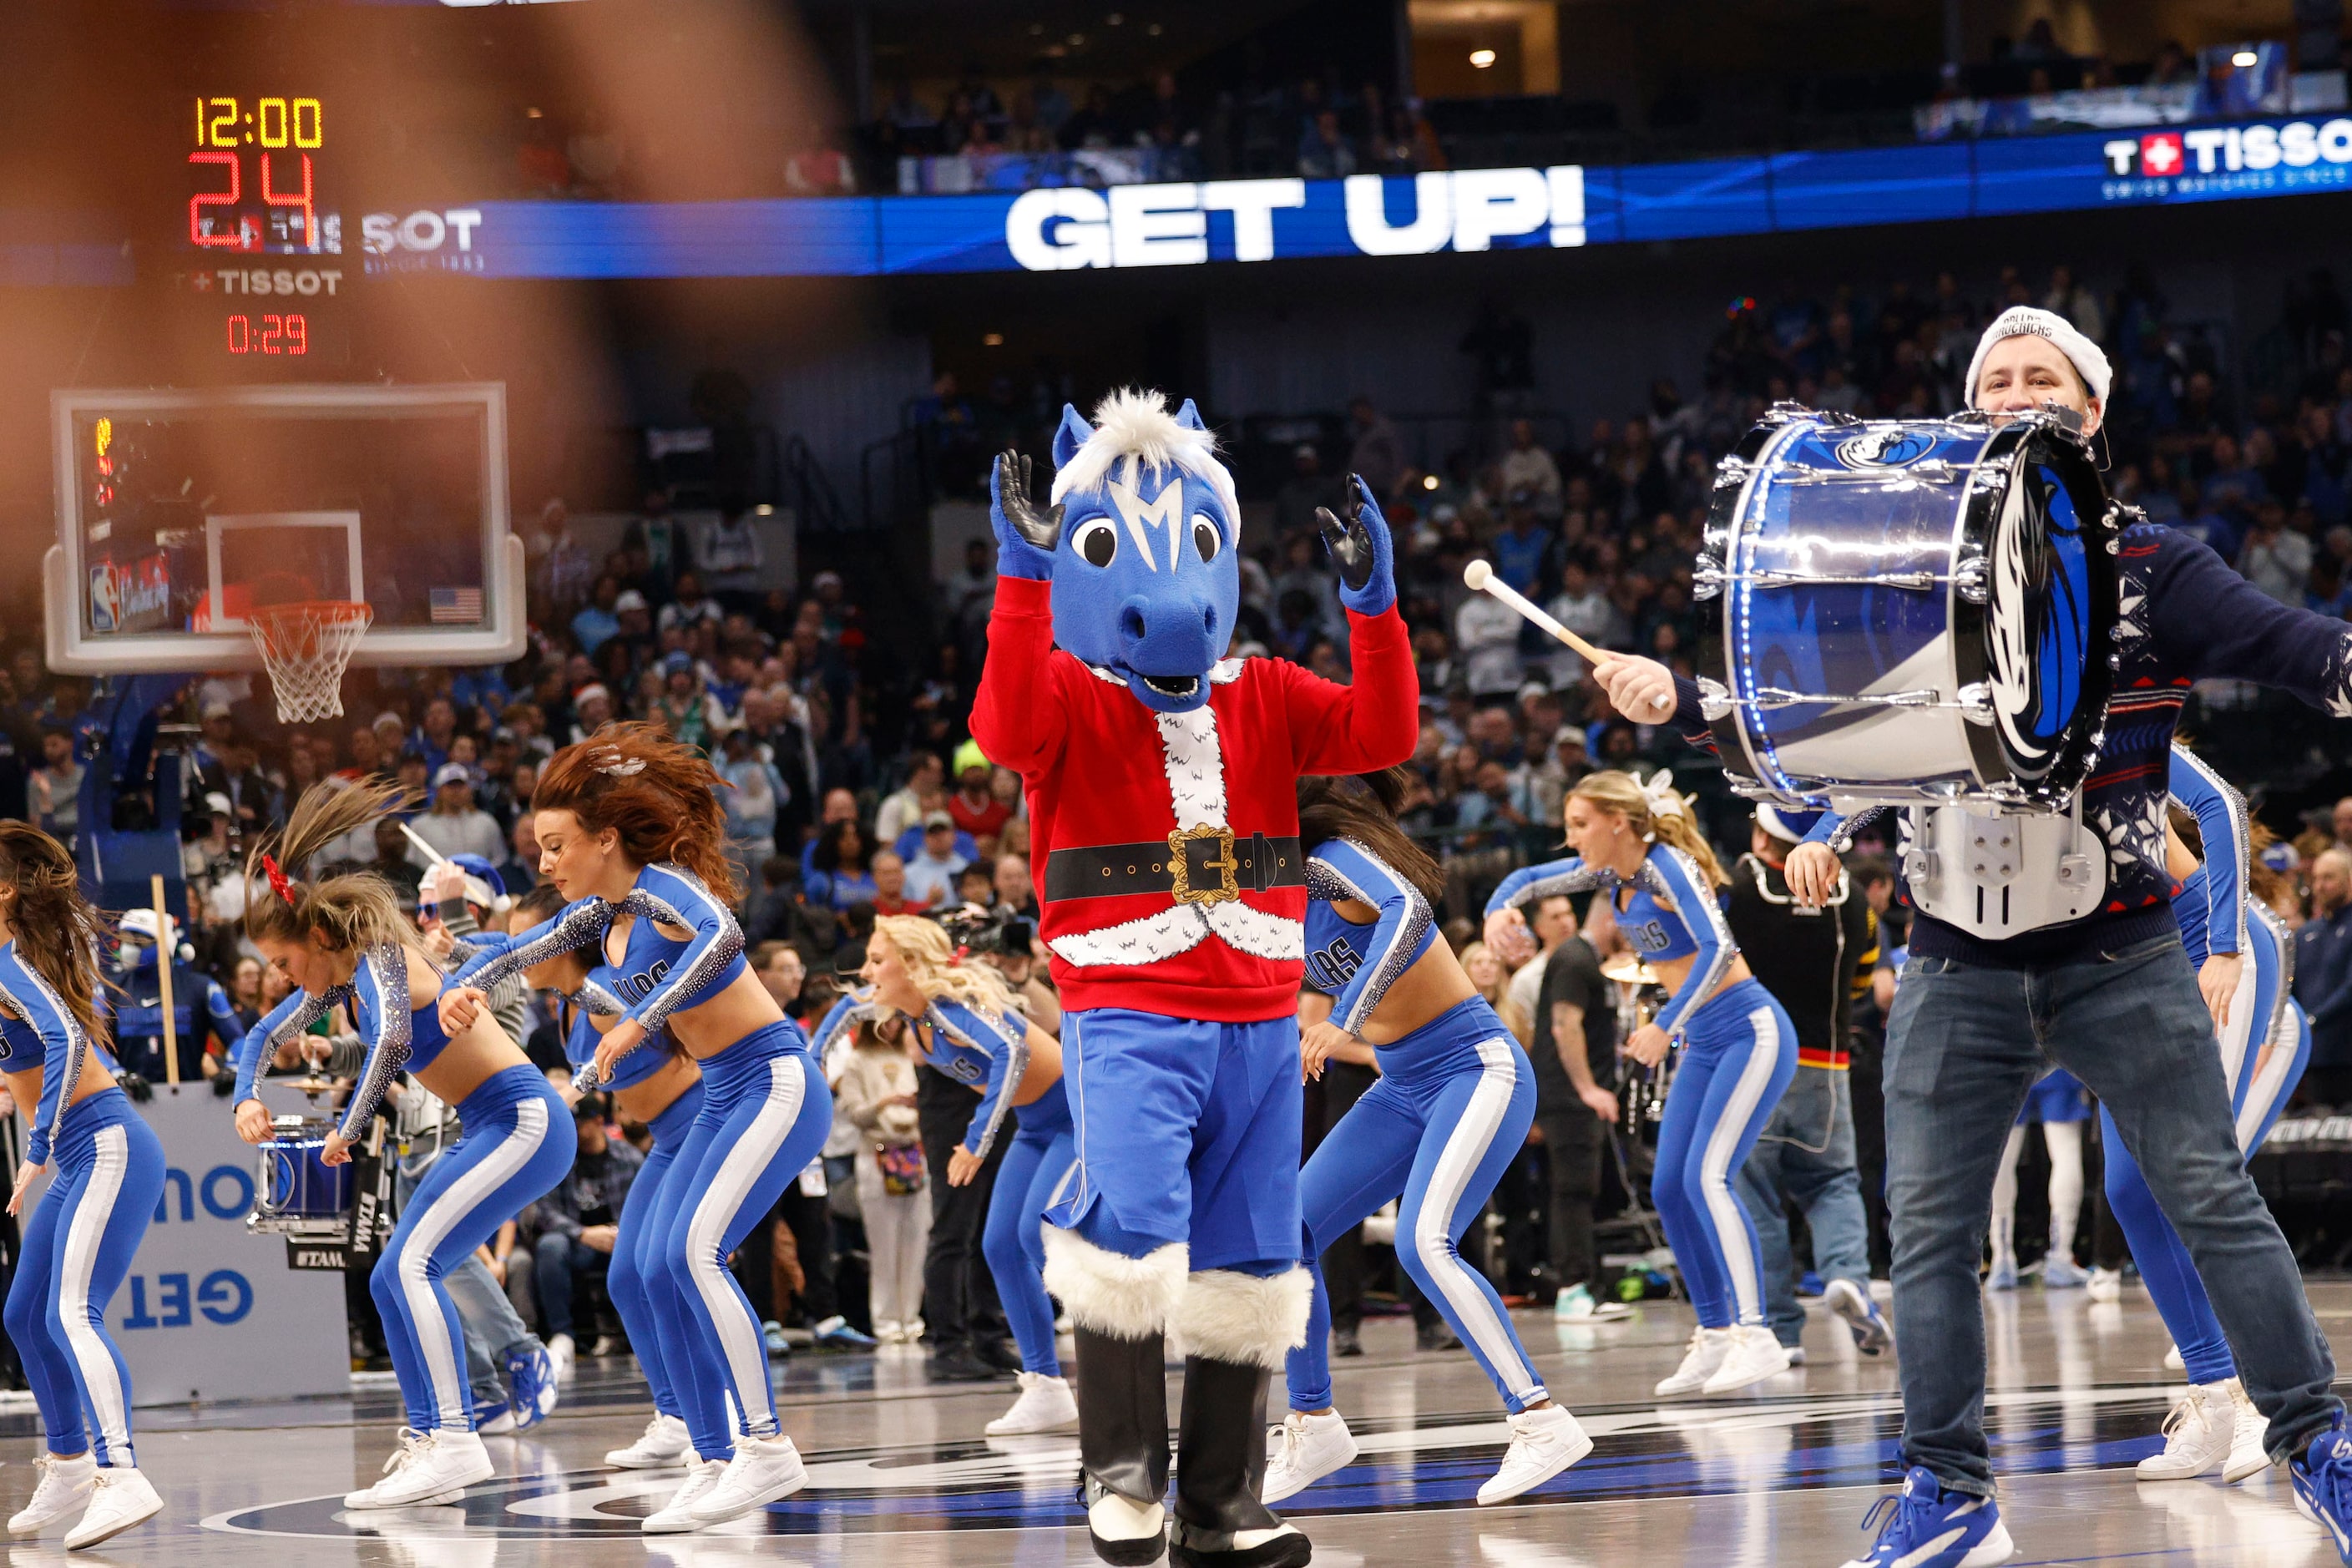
(2213, 163)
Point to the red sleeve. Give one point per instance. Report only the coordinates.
(1374, 723)
(1016, 714)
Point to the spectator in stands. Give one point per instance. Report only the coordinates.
(890, 876)
(1015, 894)
(455, 825)
(974, 807)
(754, 796)
(877, 1094)
(596, 624)
(1324, 151)
(1377, 451)
(931, 875)
(57, 788)
(1527, 467)
(562, 570)
(577, 1222)
(923, 792)
(2323, 978)
(840, 871)
(2275, 558)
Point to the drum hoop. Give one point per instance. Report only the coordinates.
(1732, 740)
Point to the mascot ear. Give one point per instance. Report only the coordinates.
(1070, 437)
(1190, 416)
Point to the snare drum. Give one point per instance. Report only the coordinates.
(1907, 611)
(296, 1193)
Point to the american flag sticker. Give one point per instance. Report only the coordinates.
(457, 604)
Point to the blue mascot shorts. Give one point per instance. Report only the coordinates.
(1187, 1132)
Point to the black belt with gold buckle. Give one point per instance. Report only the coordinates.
(1191, 865)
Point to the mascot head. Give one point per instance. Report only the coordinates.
(1146, 581)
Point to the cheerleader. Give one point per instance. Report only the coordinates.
(1638, 842)
(968, 1025)
(2246, 967)
(344, 938)
(630, 830)
(78, 1244)
(661, 1090)
(1453, 1105)
(2060, 1105)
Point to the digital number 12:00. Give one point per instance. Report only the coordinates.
(269, 334)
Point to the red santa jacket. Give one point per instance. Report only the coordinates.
(1102, 769)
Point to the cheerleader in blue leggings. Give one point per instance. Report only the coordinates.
(78, 1244)
(345, 940)
(630, 829)
(660, 1088)
(1638, 842)
(1451, 1107)
(2245, 962)
(967, 1024)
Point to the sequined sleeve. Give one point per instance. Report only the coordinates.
(384, 971)
(289, 1019)
(673, 896)
(1531, 884)
(1342, 869)
(65, 1046)
(577, 925)
(1005, 1043)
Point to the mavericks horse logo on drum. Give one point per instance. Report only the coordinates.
(2038, 630)
(1888, 447)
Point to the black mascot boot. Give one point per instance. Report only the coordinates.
(1123, 1444)
(1221, 1470)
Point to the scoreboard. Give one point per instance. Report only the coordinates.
(258, 236)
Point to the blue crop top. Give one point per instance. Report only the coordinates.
(990, 1054)
(400, 1038)
(1355, 965)
(599, 994)
(44, 1034)
(1694, 925)
(657, 975)
(2210, 904)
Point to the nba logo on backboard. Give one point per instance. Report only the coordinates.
(105, 599)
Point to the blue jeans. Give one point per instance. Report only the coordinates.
(1963, 1046)
(492, 1327)
(560, 1264)
(1807, 1154)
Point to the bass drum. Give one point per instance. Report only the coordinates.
(1912, 611)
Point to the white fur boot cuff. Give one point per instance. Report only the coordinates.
(1240, 1318)
(1110, 1293)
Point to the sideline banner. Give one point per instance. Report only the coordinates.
(211, 1312)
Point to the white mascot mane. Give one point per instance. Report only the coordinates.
(1136, 424)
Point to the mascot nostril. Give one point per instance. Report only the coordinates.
(1160, 777)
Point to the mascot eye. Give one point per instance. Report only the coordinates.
(1205, 537)
(1097, 542)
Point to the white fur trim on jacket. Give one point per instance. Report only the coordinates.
(1196, 763)
(1258, 934)
(1232, 1316)
(1110, 1293)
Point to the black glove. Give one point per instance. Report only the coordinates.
(1350, 542)
(1039, 527)
(223, 1085)
(137, 1087)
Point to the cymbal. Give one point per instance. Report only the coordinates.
(1630, 969)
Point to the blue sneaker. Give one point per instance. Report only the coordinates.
(493, 1418)
(2003, 1276)
(2060, 1272)
(531, 1385)
(836, 1331)
(1924, 1526)
(2321, 1474)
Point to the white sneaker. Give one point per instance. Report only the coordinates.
(1046, 1405)
(662, 1446)
(1707, 1348)
(1543, 1443)
(119, 1500)
(2249, 1429)
(1755, 1355)
(675, 1516)
(428, 1468)
(2172, 1362)
(65, 1487)
(562, 1352)
(1303, 1450)
(2107, 1285)
(503, 1424)
(2197, 1434)
(1872, 1335)
(763, 1470)
(888, 1333)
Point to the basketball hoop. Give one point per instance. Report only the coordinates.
(305, 648)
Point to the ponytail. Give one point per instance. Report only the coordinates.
(1656, 811)
(356, 910)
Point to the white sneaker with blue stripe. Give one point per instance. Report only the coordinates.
(2323, 1486)
(1872, 1333)
(531, 1384)
(1924, 1526)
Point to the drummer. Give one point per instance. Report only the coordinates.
(1638, 841)
(2110, 995)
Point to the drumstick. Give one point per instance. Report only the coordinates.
(414, 837)
(1480, 575)
(165, 951)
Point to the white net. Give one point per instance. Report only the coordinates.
(304, 647)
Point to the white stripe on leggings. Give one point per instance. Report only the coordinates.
(1467, 1145)
(2240, 1036)
(445, 1364)
(1715, 1167)
(740, 1343)
(108, 1400)
(2270, 1083)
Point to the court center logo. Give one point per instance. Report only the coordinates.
(1887, 449)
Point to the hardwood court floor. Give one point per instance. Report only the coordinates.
(900, 1474)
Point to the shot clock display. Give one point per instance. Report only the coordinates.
(255, 180)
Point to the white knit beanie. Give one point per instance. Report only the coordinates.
(2089, 360)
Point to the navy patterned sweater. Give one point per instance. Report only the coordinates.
(2186, 617)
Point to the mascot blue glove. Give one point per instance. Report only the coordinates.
(1360, 544)
(1026, 533)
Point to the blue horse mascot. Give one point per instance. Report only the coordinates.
(1160, 778)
